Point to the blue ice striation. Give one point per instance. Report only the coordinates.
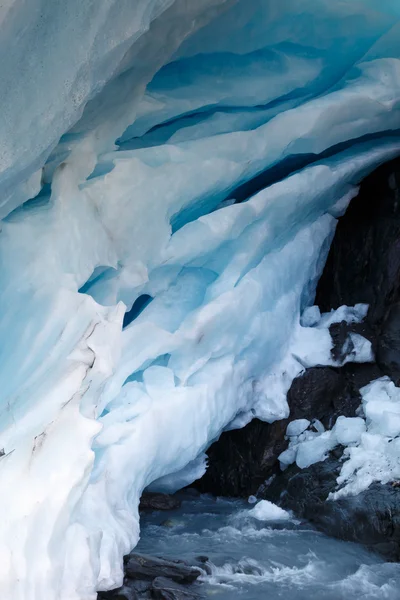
(171, 174)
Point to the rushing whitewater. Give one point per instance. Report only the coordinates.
(171, 173)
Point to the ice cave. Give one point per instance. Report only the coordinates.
(200, 299)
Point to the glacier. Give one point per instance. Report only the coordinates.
(171, 175)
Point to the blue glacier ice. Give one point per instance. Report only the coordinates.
(171, 174)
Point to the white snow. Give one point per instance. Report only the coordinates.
(267, 511)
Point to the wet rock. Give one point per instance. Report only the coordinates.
(141, 587)
(203, 562)
(242, 459)
(313, 393)
(388, 347)
(123, 593)
(304, 490)
(341, 340)
(371, 518)
(154, 501)
(165, 589)
(143, 567)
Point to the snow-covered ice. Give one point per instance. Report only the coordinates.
(142, 311)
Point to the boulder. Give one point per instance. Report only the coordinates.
(165, 589)
(144, 567)
(123, 593)
(155, 501)
(313, 394)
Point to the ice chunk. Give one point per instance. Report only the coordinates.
(318, 426)
(362, 351)
(288, 456)
(315, 450)
(297, 427)
(349, 430)
(267, 511)
(381, 404)
(310, 317)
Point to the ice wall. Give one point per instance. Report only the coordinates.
(157, 257)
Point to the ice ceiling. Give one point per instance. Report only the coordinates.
(170, 177)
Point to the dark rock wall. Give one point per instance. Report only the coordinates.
(364, 260)
(241, 460)
(364, 263)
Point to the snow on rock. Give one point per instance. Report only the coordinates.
(377, 455)
(372, 442)
(125, 133)
(267, 511)
(315, 448)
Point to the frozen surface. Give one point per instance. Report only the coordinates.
(372, 441)
(171, 173)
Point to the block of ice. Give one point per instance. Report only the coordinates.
(381, 405)
(288, 456)
(311, 316)
(297, 427)
(315, 450)
(267, 511)
(318, 426)
(348, 430)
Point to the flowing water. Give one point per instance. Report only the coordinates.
(253, 560)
